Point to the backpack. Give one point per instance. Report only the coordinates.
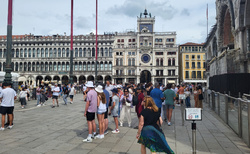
(135, 100)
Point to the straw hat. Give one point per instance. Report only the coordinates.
(90, 84)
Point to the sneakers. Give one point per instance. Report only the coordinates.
(53, 106)
(129, 125)
(169, 123)
(115, 131)
(94, 136)
(2, 129)
(99, 136)
(106, 132)
(71, 102)
(121, 124)
(22, 107)
(38, 105)
(87, 140)
(10, 127)
(57, 105)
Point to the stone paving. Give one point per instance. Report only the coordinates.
(46, 130)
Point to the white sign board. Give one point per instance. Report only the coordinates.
(193, 114)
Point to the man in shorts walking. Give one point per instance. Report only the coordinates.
(90, 110)
(169, 102)
(8, 95)
(55, 95)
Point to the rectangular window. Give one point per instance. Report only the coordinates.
(187, 57)
(199, 74)
(193, 64)
(129, 53)
(187, 74)
(194, 74)
(169, 72)
(198, 65)
(193, 57)
(204, 64)
(158, 53)
(198, 57)
(187, 64)
(173, 72)
(133, 53)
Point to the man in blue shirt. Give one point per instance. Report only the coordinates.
(157, 96)
(106, 120)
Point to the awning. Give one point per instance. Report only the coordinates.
(195, 81)
(21, 79)
(171, 81)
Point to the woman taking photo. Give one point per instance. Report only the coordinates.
(149, 132)
(101, 104)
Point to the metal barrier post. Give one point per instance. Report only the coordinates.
(213, 100)
(240, 118)
(226, 108)
(218, 101)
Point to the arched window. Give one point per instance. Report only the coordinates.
(80, 66)
(55, 66)
(37, 67)
(0, 66)
(169, 62)
(17, 53)
(50, 52)
(1, 53)
(106, 52)
(67, 66)
(117, 62)
(93, 66)
(173, 62)
(34, 52)
(46, 66)
(42, 52)
(80, 52)
(55, 52)
(25, 52)
(89, 52)
(102, 53)
(93, 52)
(50, 66)
(129, 62)
(84, 52)
(46, 53)
(84, 66)
(157, 62)
(110, 52)
(76, 52)
(59, 52)
(89, 66)
(42, 66)
(38, 53)
(25, 67)
(161, 62)
(67, 52)
(133, 61)
(110, 66)
(59, 66)
(121, 62)
(101, 66)
(16, 68)
(76, 66)
(63, 66)
(63, 52)
(29, 66)
(21, 67)
(30, 53)
(106, 66)
(33, 67)
(21, 53)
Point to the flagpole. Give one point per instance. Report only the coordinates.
(71, 46)
(96, 43)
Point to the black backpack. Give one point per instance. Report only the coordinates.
(135, 100)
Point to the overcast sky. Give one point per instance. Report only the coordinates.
(48, 17)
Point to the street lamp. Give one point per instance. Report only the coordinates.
(71, 46)
(8, 67)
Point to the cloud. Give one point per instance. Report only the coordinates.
(185, 12)
(81, 22)
(132, 8)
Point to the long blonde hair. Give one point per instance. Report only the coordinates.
(103, 97)
(149, 102)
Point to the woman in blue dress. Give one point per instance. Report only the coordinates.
(149, 132)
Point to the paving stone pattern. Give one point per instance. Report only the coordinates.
(60, 130)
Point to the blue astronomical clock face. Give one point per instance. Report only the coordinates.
(145, 58)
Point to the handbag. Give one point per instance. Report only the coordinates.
(182, 96)
(201, 97)
(128, 104)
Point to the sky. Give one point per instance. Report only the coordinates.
(50, 17)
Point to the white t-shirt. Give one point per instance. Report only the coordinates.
(72, 91)
(8, 95)
(58, 91)
(84, 88)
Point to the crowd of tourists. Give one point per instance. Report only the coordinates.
(153, 104)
